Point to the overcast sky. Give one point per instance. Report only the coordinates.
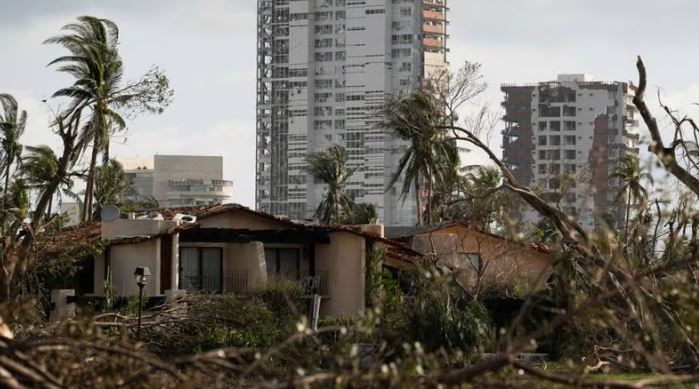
(207, 48)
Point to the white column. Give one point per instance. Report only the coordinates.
(175, 263)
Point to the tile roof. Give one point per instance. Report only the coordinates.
(84, 236)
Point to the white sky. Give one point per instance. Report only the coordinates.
(207, 48)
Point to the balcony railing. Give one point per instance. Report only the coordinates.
(235, 281)
(432, 42)
(317, 284)
(433, 29)
(433, 15)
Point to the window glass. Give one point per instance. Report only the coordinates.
(189, 264)
(211, 269)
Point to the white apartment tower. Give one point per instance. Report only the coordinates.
(565, 137)
(325, 68)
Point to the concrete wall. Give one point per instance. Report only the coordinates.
(505, 264)
(123, 261)
(344, 260)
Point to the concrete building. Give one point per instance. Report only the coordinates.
(325, 69)
(180, 180)
(566, 136)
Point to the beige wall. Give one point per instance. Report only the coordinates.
(344, 260)
(505, 263)
(123, 261)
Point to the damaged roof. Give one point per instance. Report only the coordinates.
(82, 237)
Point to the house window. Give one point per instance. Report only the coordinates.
(201, 268)
(283, 262)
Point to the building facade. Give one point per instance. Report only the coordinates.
(181, 180)
(565, 137)
(325, 69)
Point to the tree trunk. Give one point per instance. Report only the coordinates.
(86, 215)
(418, 202)
(48, 209)
(628, 212)
(430, 188)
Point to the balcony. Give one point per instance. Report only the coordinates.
(430, 42)
(435, 3)
(433, 29)
(433, 15)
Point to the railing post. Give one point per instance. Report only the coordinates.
(315, 311)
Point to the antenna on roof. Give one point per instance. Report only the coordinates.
(109, 213)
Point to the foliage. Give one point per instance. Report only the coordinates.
(337, 206)
(95, 63)
(329, 168)
(112, 186)
(417, 118)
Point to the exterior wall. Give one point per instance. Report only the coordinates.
(566, 139)
(243, 264)
(324, 70)
(505, 264)
(344, 260)
(248, 259)
(124, 259)
(142, 181)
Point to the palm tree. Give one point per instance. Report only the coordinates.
(112, 186)
(12, 123)
(419, 118)
(630, 174)
(361, 214)
(39, 167)
(95, 64)
(329, 167)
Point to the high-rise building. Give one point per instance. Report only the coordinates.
(325, 69)
(180, 180)
(565, 137)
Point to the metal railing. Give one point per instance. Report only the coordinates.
(317, 284)
(235, 281)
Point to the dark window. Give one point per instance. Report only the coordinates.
(201, 268)
(283, 262)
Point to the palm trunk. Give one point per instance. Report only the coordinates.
(418, 202)
(90, 184)
(628, 212)
(430, 186)
(48, 209)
